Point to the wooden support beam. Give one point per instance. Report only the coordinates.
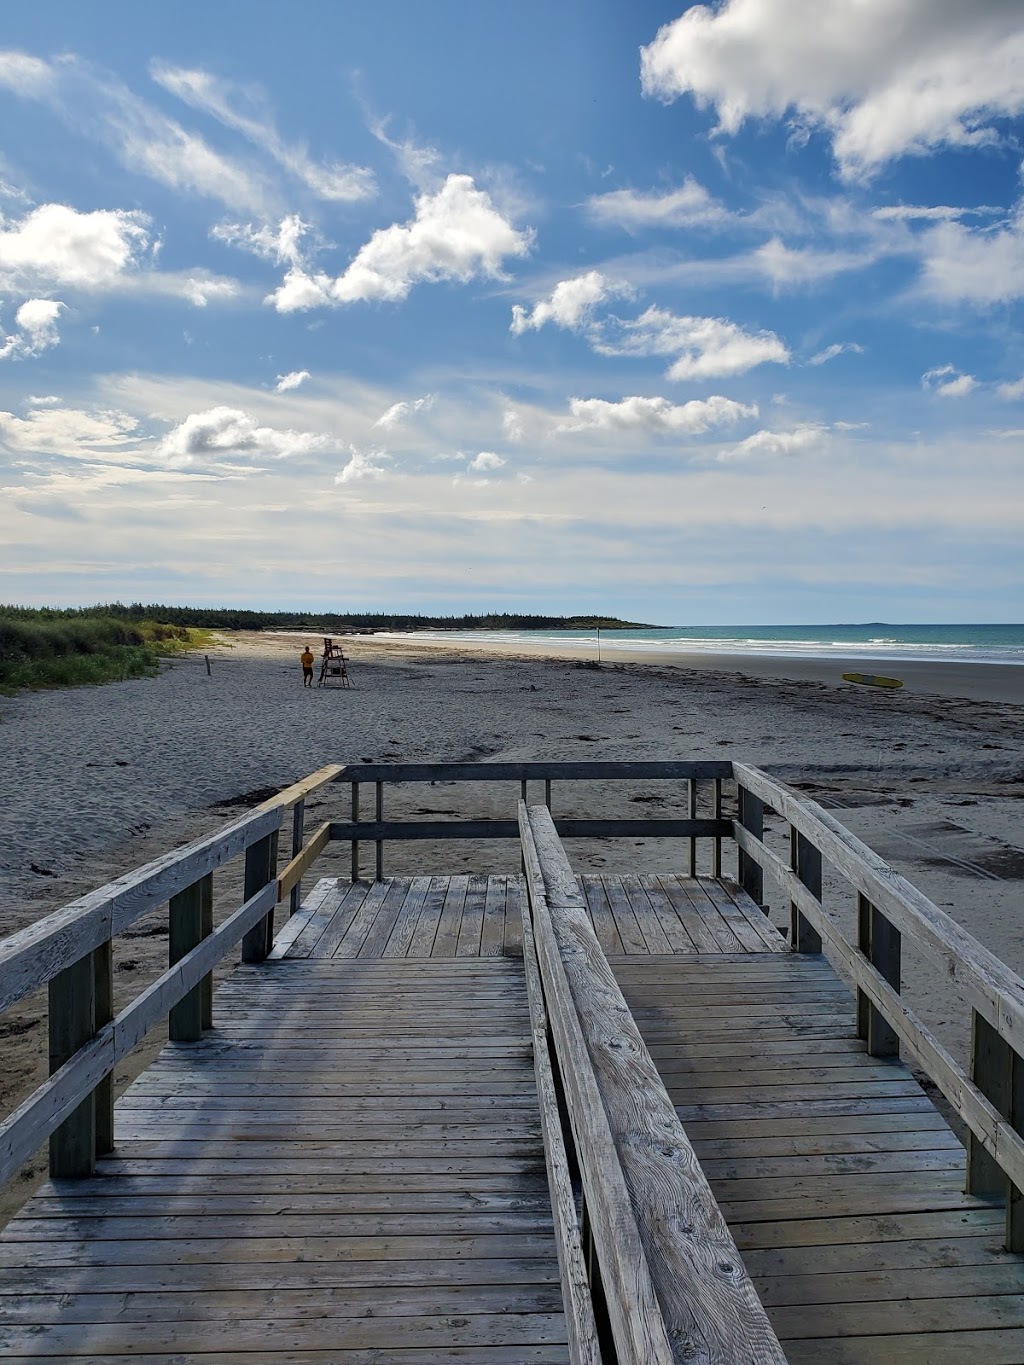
(103, 986)
(72, 1023)
(379, 843)
(881, 944)
(185, 925)
(355, 841)
(992, 1073)
(751, 817)
(305, 858)
(718, 837)
(206, 918)
(298, 833)
(691, 805)
(806, 863)
(260, 869)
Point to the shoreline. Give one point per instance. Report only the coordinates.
(989, 682)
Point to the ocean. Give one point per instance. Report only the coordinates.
(876, 640)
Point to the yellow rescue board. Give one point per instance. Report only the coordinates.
(871, 680)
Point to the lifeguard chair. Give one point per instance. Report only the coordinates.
(333, 666)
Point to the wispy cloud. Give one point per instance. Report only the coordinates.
(688, 205)
(702, 347)
(654, 415)
(294, 379)
(836, 349)
(946, 381)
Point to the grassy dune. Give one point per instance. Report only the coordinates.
(48, 648)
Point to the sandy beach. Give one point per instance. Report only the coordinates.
(94, 781)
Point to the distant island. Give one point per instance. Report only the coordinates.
(231, 618)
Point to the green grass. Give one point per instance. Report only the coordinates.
(67, 649)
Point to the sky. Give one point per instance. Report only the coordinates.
(692, 314)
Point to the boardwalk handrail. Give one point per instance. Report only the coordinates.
(671, 1279)
(991, 1100)
(69, 951)
(358, 830)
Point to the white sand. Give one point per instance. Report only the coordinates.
(96, 780)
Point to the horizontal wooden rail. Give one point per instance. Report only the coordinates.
(57, 1098)
(509, 829)
(990, 986)
(301, 863)
(673, 1281)
(654, 770)
(36, 954)
(291, 796)
(997, 1136)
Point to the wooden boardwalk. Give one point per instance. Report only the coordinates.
(349, 1167)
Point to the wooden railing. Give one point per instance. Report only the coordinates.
(70, 952)
(990, 1100)
(665, 1278)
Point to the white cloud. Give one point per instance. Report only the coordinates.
(796, 441)
(37, 320)
(964, 265)
(936, 213)
(1011, 391)
(687, 206)
(67, 431)
(571, 303)
(883, 78)
(335, 181)
(24, 74)
(282, 245)
(512, 425)
(200, 289)
(48, 400)
(363, 464)
(400, 412)
(57, 245)
(703, 346)
(837, 348)
(224, 431)
(292, 380)
(947, 382)
(485, 461)
(455, 234)
(656, 415)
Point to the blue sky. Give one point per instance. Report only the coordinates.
(694, 314)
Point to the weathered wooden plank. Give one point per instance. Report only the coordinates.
(538, 771)
(405, 926)
(940, 1348)
(492, 934)
(647, 918)
(371, 943)
(471, 928)
(673, 928)
(692, 920)
(350, 924)
(422, 940)
(447, 936)
(630, 933)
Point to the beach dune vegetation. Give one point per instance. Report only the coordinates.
(46, 647)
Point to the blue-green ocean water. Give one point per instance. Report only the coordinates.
(996, 644)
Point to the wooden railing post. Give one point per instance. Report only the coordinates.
(260, 868)
(379, 860)
(206, 922)
(750, 814)
(718, 837)
(992, 1072)
(806, 863)
(103, 987)
(72, 1002)
(298, 833)
(691, 810)
(355, 842)
(185, 926)
(881, 943)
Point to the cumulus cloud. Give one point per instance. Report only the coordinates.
(223, 431)
(796, 441)
(455, 234)
(400, 412)
(363, 464)
(948, 382)
(655, 415)
(688, 206)
(964, 265)
(67, 431)
(57, 245)
(837, 348)
(882, 78)
(245, 112)
(486, 461)
(292, 380)
(703, 347)
(571, 303)
(37, 323)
